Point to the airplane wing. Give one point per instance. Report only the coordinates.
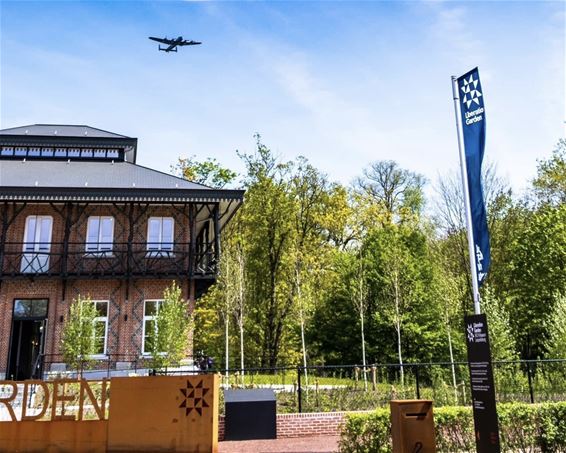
(161, 40)
(189, 43)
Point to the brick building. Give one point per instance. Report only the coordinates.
(79, 217)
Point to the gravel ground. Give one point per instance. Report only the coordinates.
(320, 444)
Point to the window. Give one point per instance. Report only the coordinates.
(100, 235)
(86, 152)
(47, 152)
(32, 152)
(21, 151)
(100, 327)
(7, 151)
(113, 153)
(73, 152)
(150, 310)
(160, 236)
(37, 244)
(30, 308)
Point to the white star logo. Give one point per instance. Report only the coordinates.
(471, 93)
(470, 331)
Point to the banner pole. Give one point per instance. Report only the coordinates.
(463, 170)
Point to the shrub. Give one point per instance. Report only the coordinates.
(369, 432)
(523, 428)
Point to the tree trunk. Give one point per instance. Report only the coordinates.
(361, 311)
(226, 340)
(242, 347)
(302, 318)
(452, 365)
(398, 328)
(363, 347)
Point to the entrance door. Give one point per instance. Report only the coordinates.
(29, 325)
(37, 244)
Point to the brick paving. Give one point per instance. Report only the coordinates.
(315, 444)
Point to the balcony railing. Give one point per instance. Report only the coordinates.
(117, 260)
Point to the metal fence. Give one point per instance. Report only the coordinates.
(349, 387)
(53, 366)
(353, 387)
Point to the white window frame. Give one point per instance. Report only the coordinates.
(157, 249)
(104, 319)
(158, 303)
(95, 249)
(38, 250)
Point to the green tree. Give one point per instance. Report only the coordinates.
(550, 183)
(171, 327)
(556, 341)
(400, 277)
(538, 272)
(502, 342)
(209, 172)
(397, 190)
(78, 338)
(311, 194)
(267, 222)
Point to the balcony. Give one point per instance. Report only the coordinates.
(118, 260)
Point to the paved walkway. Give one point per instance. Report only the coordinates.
(321, 444)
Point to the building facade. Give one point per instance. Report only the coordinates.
(79, 217)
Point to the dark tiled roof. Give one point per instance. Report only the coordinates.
(87, 174)
(60, 130)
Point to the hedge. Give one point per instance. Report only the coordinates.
(523, 428)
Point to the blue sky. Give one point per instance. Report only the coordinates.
(342, 83)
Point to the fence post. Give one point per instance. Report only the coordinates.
(531, 392)
(299, 389)
(374, 377)
(417, 382)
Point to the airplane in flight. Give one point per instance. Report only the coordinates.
(173, 43)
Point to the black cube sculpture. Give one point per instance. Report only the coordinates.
(250, 414)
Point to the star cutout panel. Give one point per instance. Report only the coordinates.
(471, 93)
(194, 397)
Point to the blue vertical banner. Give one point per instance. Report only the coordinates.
(472, 110)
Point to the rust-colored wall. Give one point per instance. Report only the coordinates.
(158, 412)
(51, 437)
(147, 414)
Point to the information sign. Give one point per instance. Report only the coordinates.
(483, 389)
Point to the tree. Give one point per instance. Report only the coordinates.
(447, 288)
(557, 329)
(538, 272)
(550, 183)
(503, 215)
(502, 342)
(311, 193)
(209, 172)
(171, 327)
(359, 297)
(267, 222)
(78, 339)
(398, 190)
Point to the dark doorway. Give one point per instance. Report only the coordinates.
(28, 339)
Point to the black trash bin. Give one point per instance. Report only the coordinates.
(250, 414)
